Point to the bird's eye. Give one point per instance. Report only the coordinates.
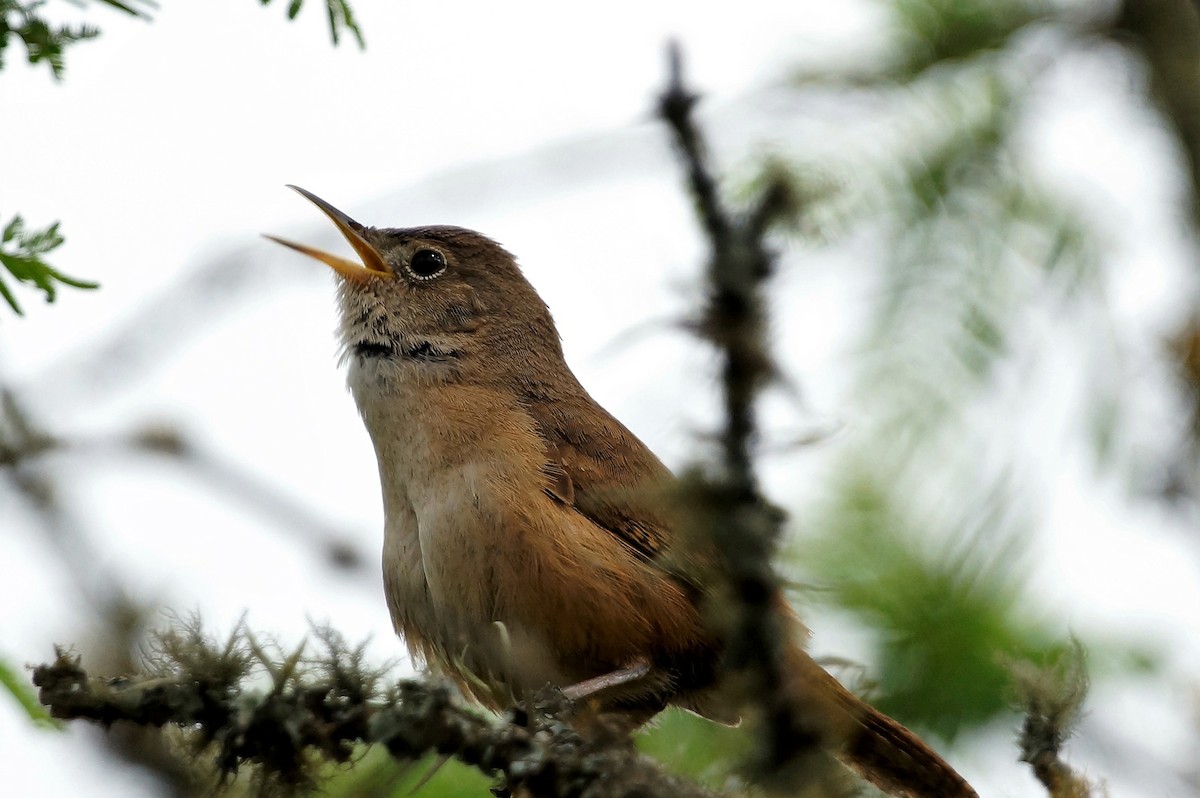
(426, 264)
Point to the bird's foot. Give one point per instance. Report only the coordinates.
(631, 673)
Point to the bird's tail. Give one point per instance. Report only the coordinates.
(883, 751)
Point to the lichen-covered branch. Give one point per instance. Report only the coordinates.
(320, 708)
(1051, 698)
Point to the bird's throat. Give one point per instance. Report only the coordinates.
(371, 349)
(423, 351)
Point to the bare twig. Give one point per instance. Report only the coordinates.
(23, 445)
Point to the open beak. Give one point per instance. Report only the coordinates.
(373, 264)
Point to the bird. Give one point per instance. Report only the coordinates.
(529, 535)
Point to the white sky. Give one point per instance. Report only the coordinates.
(167, 148)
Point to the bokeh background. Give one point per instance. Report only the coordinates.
(986, 317)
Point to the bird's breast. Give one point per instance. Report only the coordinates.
(488, 573)
(454, 460)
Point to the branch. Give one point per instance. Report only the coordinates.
(24, 443)
(319, 709)
(731, 511)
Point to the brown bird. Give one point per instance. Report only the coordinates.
(527, 541)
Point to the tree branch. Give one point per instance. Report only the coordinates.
(319, 709)
(735, 517)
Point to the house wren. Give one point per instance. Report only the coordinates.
(527, 541)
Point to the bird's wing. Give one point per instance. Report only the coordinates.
(597, 466)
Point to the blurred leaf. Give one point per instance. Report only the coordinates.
(686, 744)
(931, 32)
(971, 241)
(942, 617)
(376, 775)
(691, 746)
(19, 689)
(21, 253)
(43, 42)
(47, 43)
(340, 15)
(922, 533)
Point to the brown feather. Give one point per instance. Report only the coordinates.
(615, 480)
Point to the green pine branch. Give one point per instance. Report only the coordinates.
(43, 41)
(22, 254)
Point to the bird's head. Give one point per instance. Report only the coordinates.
(443, 299)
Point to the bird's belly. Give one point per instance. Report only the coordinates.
(407, 591)
(437, 555)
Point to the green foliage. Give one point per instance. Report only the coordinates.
(47, 43)
(43, 42)
(22, 252)
(973, 243)
(699, 749)
(341, 18)
(374, 773)
(685, 744)
(942, 615)
(18, 687)
(922, 531)
(931, 32)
